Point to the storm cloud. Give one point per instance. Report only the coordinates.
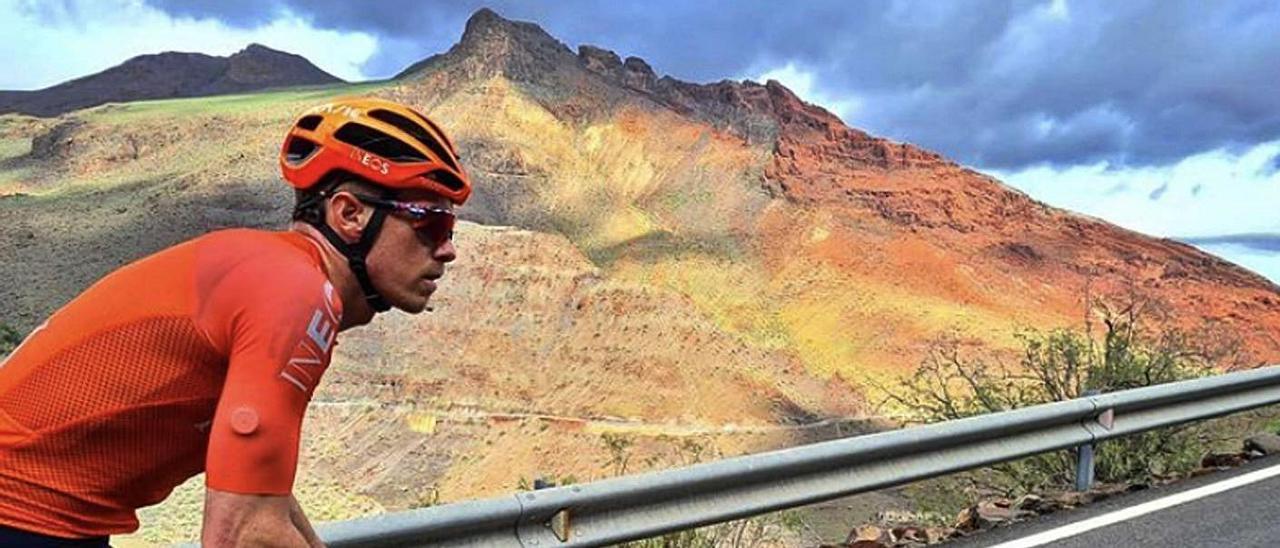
(1259, 242)
(993, 84)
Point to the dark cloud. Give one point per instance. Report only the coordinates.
(1158, 192)
(1259, 242)
(1271, 167)
(54, 12)
(995, 84)
(236, 13)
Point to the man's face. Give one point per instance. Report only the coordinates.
(405, 264)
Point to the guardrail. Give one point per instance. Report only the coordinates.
(645, 505)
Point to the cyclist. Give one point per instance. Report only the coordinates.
(203, 356)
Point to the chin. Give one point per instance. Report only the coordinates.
(414, 305)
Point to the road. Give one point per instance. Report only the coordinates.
(1238, 508)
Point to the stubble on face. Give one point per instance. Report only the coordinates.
(409, 268)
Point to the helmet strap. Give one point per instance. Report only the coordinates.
(357, 253)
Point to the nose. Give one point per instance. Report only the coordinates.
(445, 252)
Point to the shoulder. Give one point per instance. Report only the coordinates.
(257, 259)
(252, 242)
(257, 274)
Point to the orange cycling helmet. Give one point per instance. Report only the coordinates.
(386, 143)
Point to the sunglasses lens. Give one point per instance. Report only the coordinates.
(436, 228)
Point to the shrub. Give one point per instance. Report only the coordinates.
(1126, 342)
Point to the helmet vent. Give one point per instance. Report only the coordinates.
(417, 132)
(436, 129)
(299, 150)
(446, 178)
(377, 142)
(310, 123)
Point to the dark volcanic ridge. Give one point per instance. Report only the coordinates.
(170, 75)
(524, 53)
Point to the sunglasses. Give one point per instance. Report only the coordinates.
(433, 224)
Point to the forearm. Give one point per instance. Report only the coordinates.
(300, 521)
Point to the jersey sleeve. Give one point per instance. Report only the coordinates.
(281, 325)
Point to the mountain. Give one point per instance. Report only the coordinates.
(168, 75)
(882, 245)
(651, 272)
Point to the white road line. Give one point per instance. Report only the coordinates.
(1141, 509)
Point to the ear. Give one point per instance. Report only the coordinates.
(347, 215)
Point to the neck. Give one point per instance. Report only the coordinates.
(355, 309)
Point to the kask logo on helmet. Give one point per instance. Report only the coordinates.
(373, 162)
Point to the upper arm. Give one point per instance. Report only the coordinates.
(233, 519)
(281, 328)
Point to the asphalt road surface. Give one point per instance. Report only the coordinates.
(1237, 508)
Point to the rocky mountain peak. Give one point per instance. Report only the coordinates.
(492, 45)
(633, 73)
(759, 113)
(259, 66)
(484, 22)
(258, 50)
(492, 38)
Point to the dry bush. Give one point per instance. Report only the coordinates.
(1127, 341)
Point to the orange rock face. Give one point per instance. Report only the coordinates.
(1005, 237)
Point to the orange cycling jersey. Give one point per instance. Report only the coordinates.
(202, 357)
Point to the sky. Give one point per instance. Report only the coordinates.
(1162, 116)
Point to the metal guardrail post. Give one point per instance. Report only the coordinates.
(1084, 457)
